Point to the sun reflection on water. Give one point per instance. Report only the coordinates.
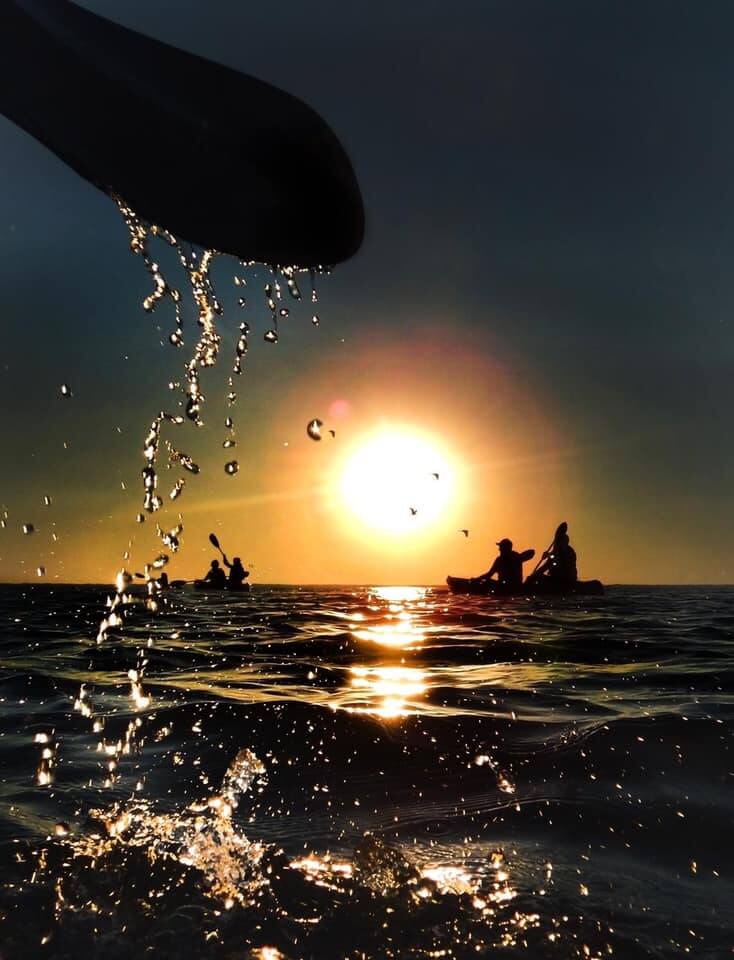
(387, 691)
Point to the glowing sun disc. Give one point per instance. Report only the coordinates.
(397, 482)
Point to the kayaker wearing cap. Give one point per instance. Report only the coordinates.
(507, 566)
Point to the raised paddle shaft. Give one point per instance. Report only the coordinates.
(217, 157)
(560, 530)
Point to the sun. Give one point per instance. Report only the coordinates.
(397, 482)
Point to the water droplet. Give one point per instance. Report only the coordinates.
(47, 500)
(61, 829)
(28, 528)
(140, 518)
(40, 571)
(313, 429)
(66, 390)
(271, 336)
(176, 338)
(315, 320)
(231, 468)
(242, 302)
(229, 423)
(228, 443)
(283, 312)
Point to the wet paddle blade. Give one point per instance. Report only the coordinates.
(219, 158)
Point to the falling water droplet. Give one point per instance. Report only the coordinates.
(231, 468)
(313, 429)
(228, 443)
(176, 338)
(315, 320)
(140, 518)
(66, 390)
(28, 528)
(47, 500)
(40, 571)
(271, 336)
(229, 423)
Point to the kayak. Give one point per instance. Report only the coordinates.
(205, 585)
(541, 588)
(202, 585)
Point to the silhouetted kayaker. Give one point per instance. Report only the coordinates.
(216, 577)
(507, 566)
(237, 574)
(559, 562)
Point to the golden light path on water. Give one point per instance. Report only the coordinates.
(378, 759)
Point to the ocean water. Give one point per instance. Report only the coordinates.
(367, 773)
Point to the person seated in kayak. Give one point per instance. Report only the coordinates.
(216, 577)
(237, 573)
(559, 563)
(507, 566)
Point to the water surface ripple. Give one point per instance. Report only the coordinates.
(368, 773)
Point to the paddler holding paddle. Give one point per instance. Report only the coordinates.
(508, 567)
(558, 562)
(217, 578)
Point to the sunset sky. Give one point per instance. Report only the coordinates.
(544, 299)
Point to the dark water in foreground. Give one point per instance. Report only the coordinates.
(357, 773)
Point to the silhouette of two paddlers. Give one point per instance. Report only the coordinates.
(555, 573)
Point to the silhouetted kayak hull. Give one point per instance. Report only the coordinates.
(203, 585)
(539, 589)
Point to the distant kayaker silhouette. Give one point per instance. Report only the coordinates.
(237, 575)
(558, 562)
(219, 158)
(507, 567)
(215, 577)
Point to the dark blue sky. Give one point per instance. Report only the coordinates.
(546, 183)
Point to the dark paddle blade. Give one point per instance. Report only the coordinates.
(215, 156)
(214, 541)
(527, 555)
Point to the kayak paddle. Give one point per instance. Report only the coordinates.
(215, 543)
(219, 158)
